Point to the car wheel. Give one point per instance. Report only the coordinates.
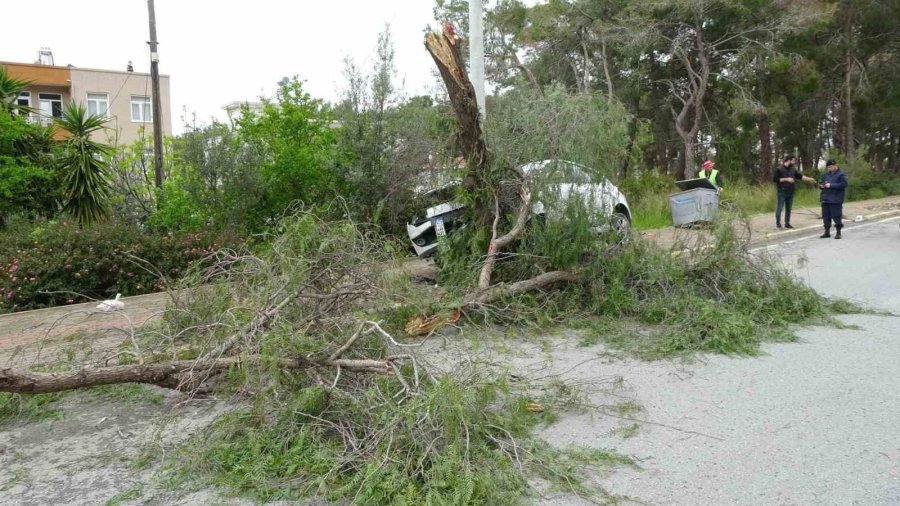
(621, 225)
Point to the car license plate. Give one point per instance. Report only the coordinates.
(439, 227)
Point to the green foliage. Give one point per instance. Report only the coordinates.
(129, 494)
(386, 143)
(23, 408)
(445, 446)
(865, 182)
(717, 298)
(243, 177)
(63, 257)
(9, 92)
(128, 393)
(216, 181)
(85, 165)
(29, 181)
(295, 139)
(132, 179)
(583, 128)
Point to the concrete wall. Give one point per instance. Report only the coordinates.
(120, 87)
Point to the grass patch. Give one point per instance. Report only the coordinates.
(23, 408)
(129, 393)
(129, 494)
(651, 210)
(21, 475)
(627, 431)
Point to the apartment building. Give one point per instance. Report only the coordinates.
(122, 97)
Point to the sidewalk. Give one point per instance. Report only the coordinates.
(762, 226)
(44, 328)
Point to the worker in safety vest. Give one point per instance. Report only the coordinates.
(709, 172)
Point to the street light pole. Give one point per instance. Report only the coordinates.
(157, 107)
(476, 52)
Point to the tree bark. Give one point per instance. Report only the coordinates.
(765, 147)
(184, 375)
(765, 131)
(610, 92)
(498, 243)
(849, 140)
(445, 52)
(482, 297)
(689, 119)
(893, 153)
(529, 75)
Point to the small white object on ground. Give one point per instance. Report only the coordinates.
(858, 219)
(108, 306)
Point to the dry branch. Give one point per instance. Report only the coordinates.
(179, 375)
(497, 243)
(482, 297)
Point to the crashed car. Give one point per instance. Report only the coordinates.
(561, 178)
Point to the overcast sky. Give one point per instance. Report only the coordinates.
(218, 52)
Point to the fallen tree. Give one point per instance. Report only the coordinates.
(187, 375)
(484, 174)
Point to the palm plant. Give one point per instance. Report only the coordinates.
(85, 165)
(10, 89)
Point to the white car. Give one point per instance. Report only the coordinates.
(558, 179)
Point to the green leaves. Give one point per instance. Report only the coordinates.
(296, 141)
(85, 164)
(9, 91)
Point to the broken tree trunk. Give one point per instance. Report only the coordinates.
(445, 52)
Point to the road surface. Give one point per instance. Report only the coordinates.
(863, 267)
(809, 423)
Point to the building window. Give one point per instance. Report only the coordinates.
(23, 101)
(50, 106)
(140, 109)
(98, 103)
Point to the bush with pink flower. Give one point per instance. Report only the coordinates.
(57, 263)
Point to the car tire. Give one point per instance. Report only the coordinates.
(621, 226)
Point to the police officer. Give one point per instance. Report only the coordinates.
(833, 183)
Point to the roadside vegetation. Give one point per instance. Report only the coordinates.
(282, 239)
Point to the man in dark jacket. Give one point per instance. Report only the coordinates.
(785, 179)
(832, 184)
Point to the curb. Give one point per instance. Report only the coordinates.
(799, 231)
(770, 239)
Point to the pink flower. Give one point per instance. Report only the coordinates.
(14, 267)
(9, 295)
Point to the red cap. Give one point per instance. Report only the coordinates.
(708, 164)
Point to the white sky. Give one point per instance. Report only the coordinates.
(218, 52)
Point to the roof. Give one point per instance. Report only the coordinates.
(73, 67)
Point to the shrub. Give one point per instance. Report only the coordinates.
(92, 261)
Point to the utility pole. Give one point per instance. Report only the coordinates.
(157, 107)
(476, 53)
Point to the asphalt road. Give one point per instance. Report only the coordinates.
(863, 267)
(809, 423)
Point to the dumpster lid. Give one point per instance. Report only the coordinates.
(692, 184)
